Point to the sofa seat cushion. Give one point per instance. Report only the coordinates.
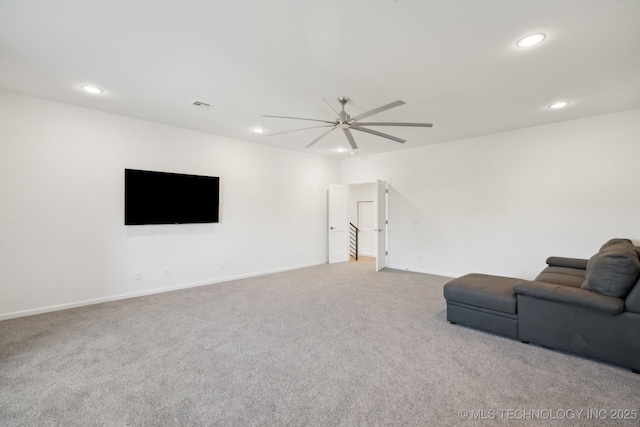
(562, 276)
(614, 270)
(484, 291)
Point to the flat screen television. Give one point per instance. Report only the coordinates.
(169, 198)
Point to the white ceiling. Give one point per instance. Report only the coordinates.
(454, 62)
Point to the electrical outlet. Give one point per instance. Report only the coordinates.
(138, 276)
(167, 273)
(223, 264)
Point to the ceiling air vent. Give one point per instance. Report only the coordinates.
(200, 105)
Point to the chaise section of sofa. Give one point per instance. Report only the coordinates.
(483, 302)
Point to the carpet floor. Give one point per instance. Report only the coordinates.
(331, 345)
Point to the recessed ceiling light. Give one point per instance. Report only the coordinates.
(557, 105)
(530, 40)
(91, 89)
(341, 149)
(258, 130)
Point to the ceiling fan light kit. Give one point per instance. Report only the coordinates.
(347, 123)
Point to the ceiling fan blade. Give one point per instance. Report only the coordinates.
(375, 132)
(377, 110)
(301, 118)
(422, 125)
(321, 136)
(328, 106)
(296, 130)
(352, 141)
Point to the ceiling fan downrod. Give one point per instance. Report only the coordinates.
(343, 116)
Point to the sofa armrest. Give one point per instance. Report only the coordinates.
(558, 261)
(570, 296)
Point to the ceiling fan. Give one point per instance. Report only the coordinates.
(345, 122)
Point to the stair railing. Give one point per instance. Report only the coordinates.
(353, 241)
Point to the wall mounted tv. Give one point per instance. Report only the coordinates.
(169, 198)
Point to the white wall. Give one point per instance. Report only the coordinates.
(502, 203)
(359, 193)
(362, 193)
(62, 238)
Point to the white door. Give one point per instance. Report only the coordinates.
(380, 218)
(365, 229)
(338, 223)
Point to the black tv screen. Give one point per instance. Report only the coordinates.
(169, 198)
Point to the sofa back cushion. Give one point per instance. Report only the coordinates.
(632, 303)
(614, 242)
(614, 270)
(564, 276)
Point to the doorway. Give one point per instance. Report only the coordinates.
(366, 206)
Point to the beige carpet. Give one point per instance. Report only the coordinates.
(332, 345)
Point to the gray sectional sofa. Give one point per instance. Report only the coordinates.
(587, 307)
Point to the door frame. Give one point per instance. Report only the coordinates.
(381, 254)
(381, 222)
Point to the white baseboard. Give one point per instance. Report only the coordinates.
(128, 295)
(423, 271)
